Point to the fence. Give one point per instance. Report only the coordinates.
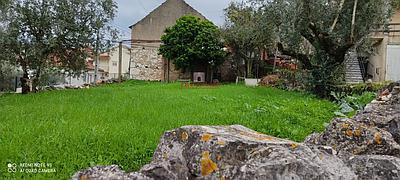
(12, 83)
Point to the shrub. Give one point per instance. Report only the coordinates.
(351, 104)
(359, 89)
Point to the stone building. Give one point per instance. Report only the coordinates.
(384, 65)
(146, 39)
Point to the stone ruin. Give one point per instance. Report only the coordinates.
(363, 147)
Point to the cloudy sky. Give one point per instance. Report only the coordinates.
(131, 11)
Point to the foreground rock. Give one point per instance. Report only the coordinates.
(364, 147)
(375, 167)
(234, 152)
(350, 137)
(107, 172)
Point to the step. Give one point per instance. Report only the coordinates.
(354, 80)
(354, 73)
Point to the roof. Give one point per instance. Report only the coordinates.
(159, 7)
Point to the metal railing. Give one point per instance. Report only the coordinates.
(391, 29)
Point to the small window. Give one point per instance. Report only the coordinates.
(114, 63)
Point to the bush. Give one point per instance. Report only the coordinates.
(351, 104)
(293, 80)
(359, 89)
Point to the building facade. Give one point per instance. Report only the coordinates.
(384, 65)
(146, 34)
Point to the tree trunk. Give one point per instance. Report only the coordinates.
(25, 82)
(212, 74)
(325, 75)
(96, 67)
(353, 21)
(36, 81)
(249, 65)
(337, 16)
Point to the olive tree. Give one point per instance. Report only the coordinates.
(319, 33)
(40, 34)
(247, 32)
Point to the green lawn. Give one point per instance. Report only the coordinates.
(121, 124)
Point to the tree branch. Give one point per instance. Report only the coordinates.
(353, 20)
(337, 16)
(304, 59)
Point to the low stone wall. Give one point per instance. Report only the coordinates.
(363, 147)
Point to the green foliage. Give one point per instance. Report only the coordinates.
(358, 89)
(192, 41)
(350, 104)
(247, 32)
(38, 34)
(319, 33)
(293, 80)
(396, 4)
(122, 123)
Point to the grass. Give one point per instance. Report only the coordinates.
(121, 124)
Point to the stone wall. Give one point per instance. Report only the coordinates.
(147, 64)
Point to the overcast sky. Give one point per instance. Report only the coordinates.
(131, 11)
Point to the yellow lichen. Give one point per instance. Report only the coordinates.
(165, 155)
(345, 126)
(223, 178)
(294, 145)
(207, 165)
(357, 133)
(206, 137)
(221, 142)
(184, 136)
(378, 138)
(219, 157)
(265, 138)
(349, 133)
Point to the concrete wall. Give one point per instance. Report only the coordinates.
(153, 25)
(377, 62)
(103, 63)
(113, 63)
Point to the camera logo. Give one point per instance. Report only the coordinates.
(12, 167)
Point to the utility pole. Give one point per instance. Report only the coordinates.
(130, 63)
(120, 62)
(96, 67)
(168, 66)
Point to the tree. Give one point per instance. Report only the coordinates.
(247, 33)
(319, 33)
(192, 41)
(40, 34)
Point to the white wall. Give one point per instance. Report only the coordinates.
(113, 63)
(393, 63)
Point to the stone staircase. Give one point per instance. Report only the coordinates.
(353, 69)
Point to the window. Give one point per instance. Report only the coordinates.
(114, 63)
